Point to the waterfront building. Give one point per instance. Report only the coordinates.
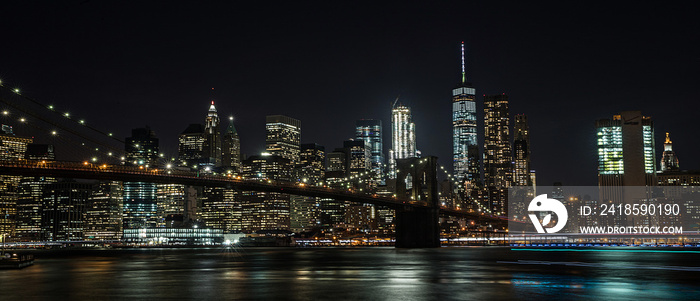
(174, 236)
(30, 202)
(11, 148)
(63, 215)
(264, 211)
(104, 211)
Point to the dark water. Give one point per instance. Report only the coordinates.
(483, 273)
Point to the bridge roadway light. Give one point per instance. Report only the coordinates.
(5, 112)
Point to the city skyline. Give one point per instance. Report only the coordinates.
(561, 90)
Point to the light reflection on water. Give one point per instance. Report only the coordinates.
(368, 273)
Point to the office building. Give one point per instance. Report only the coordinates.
(191, 146)
(104, 212)
(231, 149)
(140, 199)
(403, 136)
(283, 137)
(211, 150)
(669, 160)
(370, 131)
(465, 150)
(521, 152)
(498, 167)
(11, 148)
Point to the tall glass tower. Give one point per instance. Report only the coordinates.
(403, 136)
(370, 131)
(140, 204)
(231, 144)
(465, 151)
(212, 138)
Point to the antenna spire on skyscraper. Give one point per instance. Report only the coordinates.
(464, 76)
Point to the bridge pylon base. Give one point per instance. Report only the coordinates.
(417, 228)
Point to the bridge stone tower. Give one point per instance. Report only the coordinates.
(416, 181)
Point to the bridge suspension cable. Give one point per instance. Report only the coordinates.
(102, 148)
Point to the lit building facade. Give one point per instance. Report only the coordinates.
(104, 211)
(626, 150)
(11, 148)
(521, 152)
(191, 146)
(140, 198)
(212, 138)
(370, 131)
(498, 167)
(231, 148)
(30, 202)
(311, 168)
(283, 137)
(358, 159)
(625, 156)
(465, 150)
(669, 160)
(171, 203)
(221, 209)
(403, 136)
(63, 215)
(261, 211)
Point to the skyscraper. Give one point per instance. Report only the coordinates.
(465, 150)
(65, 205)
(521, 152)
(190, 148)
(626, 151)
(311, 168)
(212, 140)
(11, 148)
(370, 131)
(140, 203)
(358, 157)
(498, 167)
(304, 212)
(141, 148)
(626, 159)
(403, 135)
(231, 148)
(265, 210)
(103, 213)
(669, 160)
(283, 137)
(30, 202)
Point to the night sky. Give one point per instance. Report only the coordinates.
(127, 64)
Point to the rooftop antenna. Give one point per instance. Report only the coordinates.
(212, 95)
(464, 76)
(395, 101)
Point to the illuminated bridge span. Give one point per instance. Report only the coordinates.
(86, 170)
(410, 214)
